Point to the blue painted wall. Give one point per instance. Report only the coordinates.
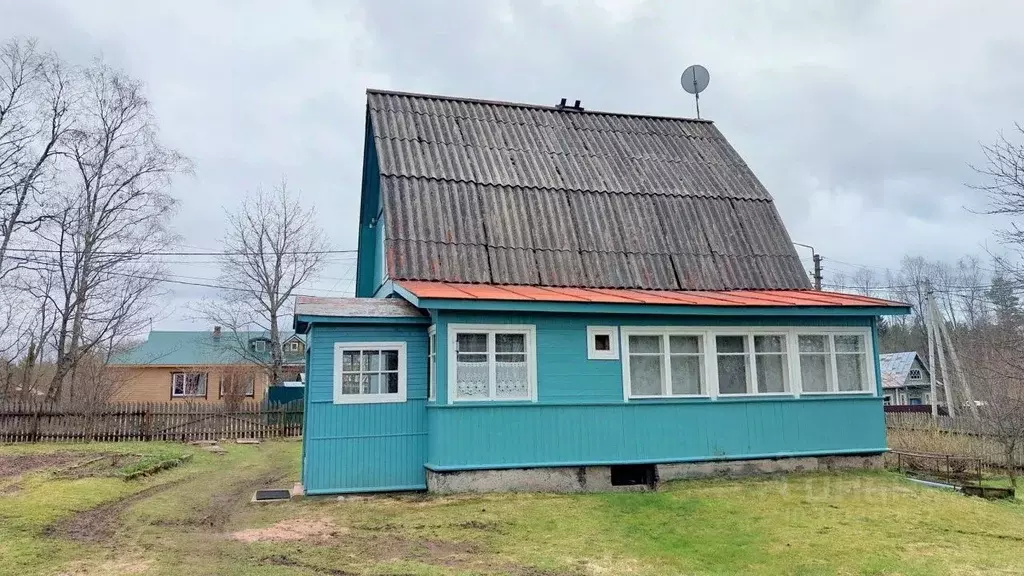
(368, 277)
(580, 416)
(364, 447)
(482, 436)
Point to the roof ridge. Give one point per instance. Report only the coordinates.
(532, 106)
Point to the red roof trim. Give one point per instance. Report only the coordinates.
(458, 291)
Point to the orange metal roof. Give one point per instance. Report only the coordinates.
(454, 291)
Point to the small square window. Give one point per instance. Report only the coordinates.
(602, 342)
(915, 374)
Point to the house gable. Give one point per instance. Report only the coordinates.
(503, 193)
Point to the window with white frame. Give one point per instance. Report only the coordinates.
(369, 372)
(771, 364)
(834, 362)
(491, 363)
(602, 343)
(733, 357)
(188, 384)
(815, 362)
(851, 362)
(915, 374)
(431, 363)
(293, 346)
(752, 363)
(665, 364)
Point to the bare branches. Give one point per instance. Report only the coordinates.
(35, 102)
(84, 199)
(272, 247)
(114, 208)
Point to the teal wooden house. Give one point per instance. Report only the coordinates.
(551, 298)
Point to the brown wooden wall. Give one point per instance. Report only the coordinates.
(153, 383)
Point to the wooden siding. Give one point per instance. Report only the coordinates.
(646, 432)
(364, 447)
(153, 383)
(580, 417)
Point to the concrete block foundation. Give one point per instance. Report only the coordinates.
(599, 478)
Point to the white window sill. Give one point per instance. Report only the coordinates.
(369, 399)
(475, 400)
(670, 397)
(757, 395)
(832, 393)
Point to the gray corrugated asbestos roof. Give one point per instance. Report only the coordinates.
(503, 193)
(356, 307)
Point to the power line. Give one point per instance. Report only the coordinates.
(191, 280)
(163, 253)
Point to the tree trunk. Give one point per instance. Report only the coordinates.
(275, 351)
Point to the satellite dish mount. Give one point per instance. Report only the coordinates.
(694, 80)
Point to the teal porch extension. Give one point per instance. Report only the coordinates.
(579, 411)
(581, 416)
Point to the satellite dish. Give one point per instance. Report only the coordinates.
(694, 80)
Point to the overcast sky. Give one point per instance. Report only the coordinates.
(860, 117)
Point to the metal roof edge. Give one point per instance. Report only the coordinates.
(657, 309)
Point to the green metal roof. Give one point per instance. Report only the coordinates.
(199, 347)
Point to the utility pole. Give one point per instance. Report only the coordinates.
(931, 351)
(817, 271)
(817, 264)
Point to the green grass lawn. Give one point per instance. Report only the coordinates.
(195, 519)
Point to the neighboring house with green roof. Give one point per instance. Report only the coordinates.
(203, 365)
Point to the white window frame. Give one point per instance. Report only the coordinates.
(869, 353)
(920, 374)
(666, 367)
(612, 353)
(341, 347)
(432, 363)
(750, 355)
(529, 330)
(790, 333)
(293, 346)
(205, 376)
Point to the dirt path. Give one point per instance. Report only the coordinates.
(16, 465)
(99, 524)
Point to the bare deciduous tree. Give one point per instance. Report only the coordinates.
(112, 213)
(34, 117)
(995, 365)
(273, 246)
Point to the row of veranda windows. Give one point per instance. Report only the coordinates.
(499, 364)
(670, 364)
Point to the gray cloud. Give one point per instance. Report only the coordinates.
(859, 117)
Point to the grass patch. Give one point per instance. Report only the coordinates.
(150, 464)
(196, 519)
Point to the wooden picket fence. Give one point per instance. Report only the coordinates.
(38, 422)
(962, 437)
